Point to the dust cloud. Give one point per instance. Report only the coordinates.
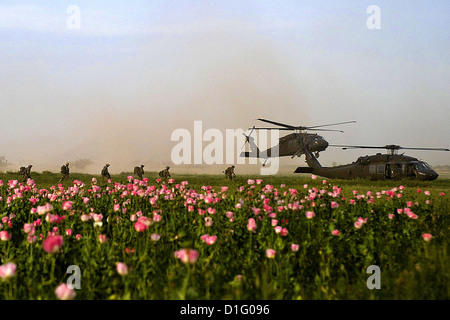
(226, 82)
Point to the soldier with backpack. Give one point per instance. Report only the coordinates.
(139, 171)
(105, 173)
(64, 171)
(25, 172)
(165, 173)
(229, 172)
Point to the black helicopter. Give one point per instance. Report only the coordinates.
(291, 145)
(375, 167)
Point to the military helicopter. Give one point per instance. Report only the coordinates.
(291, 145)
(375, 167)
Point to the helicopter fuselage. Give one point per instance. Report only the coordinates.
(292, 145)
(375, 167)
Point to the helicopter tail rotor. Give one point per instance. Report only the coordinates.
(247, 137)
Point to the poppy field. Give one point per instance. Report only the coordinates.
(275, 238)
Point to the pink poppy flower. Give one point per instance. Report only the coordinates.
(155, 236)
(52, 244)
(251, 226)
(334, 204)
(121, 268)
(102, 238)
(294, 247)
(8, 270)
(270, 253)
(208, 239)
(140, 227)
(67, 205)
(187, 255)
(64, 292)
(335, 232)
(5, 236)
(310, 214)
(427, 237)
(208, 221)
(27, 227)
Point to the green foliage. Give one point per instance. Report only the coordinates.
(235, 266)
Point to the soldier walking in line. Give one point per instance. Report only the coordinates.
(28, 171)
(25, 172)
(105, 173)
(64, 171)
(165, 173)
(139, 171)
(229, 172)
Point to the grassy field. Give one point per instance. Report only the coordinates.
(48, 179)
(285, 237)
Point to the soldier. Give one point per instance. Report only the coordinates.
(105, 173)
(64, 171)
(165, 173)
(28, 171)
(25, 172)
(229, 172)
(139, 171)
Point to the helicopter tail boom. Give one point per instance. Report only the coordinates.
(304, 170)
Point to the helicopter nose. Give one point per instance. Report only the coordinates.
(433, 175)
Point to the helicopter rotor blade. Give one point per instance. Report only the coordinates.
(323, 130)
(278, 124)
(388, 147)
(344, 147)
(427, 149)
(331, 124)
(274, 128)
(291, 127)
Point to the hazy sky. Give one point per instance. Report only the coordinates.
(116, 88)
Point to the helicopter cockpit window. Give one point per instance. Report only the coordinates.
(420, 166)
(425, 165)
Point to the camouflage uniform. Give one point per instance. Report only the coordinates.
(165, 173)
(105, 173)
(229, 172)
(65, 171)
(139, 171)
(28, 171)
(25, 172)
